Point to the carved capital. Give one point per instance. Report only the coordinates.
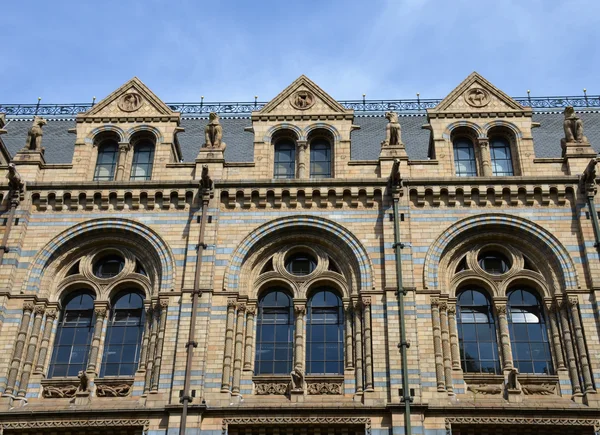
(300, 309)
(164, 304)
(443, 305)
(231, 303)
(357, 305)
(100, 311)
(28, 306)
(51, 313)
(435, 302)
(251, 309)
(483, 142)
(451, 309)
(39, 310)
(302, 145)
(366, 301)
(573, 301)
(501, 308)
(241, 307)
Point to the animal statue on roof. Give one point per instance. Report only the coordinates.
(16, 186)
(34, 135)
(213, 132)
(393, 131)
(573, 126)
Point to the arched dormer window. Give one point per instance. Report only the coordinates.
(106, 163)
(501, 156)
(529, 336)
(143, 160)
(320, 158)
(325, 334)
(465, 164)
(124, 335)
(285, 157)
(274, 334)
(477, 332)
(73, 335)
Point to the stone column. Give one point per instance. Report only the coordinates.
(507, 359)
(146, 339)
(555, 334)
(437, 344)
(237, 358)
(31, 348)
(225, 380)
(581, 347)
(19, 345)
(486, 158)
(100, 309)
(454, 351)
(123, 149)
(160, 339)
(446, 346)
(568, 344)
(250, 313)
(302, 154)
(41, 361)
(299, 311)
(366, 302)
(151, 349)
(359, 344)
(348, 337)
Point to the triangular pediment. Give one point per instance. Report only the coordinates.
(303, 96)
(476, 95)
(133, 99)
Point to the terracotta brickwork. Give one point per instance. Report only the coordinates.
(65, 220)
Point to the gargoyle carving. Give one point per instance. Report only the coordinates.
(297, 379)
(205, 181)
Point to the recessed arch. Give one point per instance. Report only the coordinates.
(322, 126)
(281, 127)
(144, 128)
(501, 123)
(447, 134)
(91, 137)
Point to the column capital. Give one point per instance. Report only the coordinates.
(573, 301)
(483, 142)
(435, 302)
(501, 308)
(28, 305)
(39, 310)
(251, 309)
(231, 303)
(451, 308)
(300, 309)
(241, 307)
(366, 301)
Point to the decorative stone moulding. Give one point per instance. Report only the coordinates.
(71, 423)
(271, 385)
(130, 102)
(303, 100)
(302, 422)
(325, 385)
(477, 97)
(113, 387)
(59, 388)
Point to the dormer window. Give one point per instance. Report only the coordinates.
(285, 159)
(106, 164)
(143, 159)
(320, 158)
(464, 157)
(501, 157)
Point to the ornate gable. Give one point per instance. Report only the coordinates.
(475, 97)
(132, 100)
(303, 98)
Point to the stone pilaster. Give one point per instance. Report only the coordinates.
(121, 159)
(437, 344)
(28, 307)
(31, 349)
(41, 361)
(454, 350)
(239, 341)
(146, 339)
(349, 338)
(568, 344)
(446, 346)
(160, 340)
(359, 346)
(507, 358)
(551, 308)
(300, 312)
(366, 303)
(584, 361)
(151, 350)
(227, 356)
(303, 156)
(486, 158)
(249, 339)
(100, 309)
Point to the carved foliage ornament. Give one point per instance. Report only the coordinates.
(59, 391)
(117, 390)
(477, 97)
(324, 388)
(33, 424)
(303, 100)
(130, 102)
(272, 388)
(297, 421)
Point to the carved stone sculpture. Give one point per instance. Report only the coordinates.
(205, 181)
(119, 390)
(271, 388)
(34, 135)
(393, 131)
(573, 126)
(395, 177)
(544, 389)
(130, 102)
(83, 382)
(59, 392)
(213, 132)
(512, 382)
(327, 388)
(297, 380)
(485, 389)
(15, 183)
(588, 178)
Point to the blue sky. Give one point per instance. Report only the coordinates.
(68, 51)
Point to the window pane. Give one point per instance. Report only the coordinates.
(325, 337)
(274, 334)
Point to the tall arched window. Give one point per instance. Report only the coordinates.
(73, 335)
(320, 158)
(477, 333)
(325, 334)
(501, 157)
(143, 159)
(528, 333)
(285, 159)
(124, 335)
(107, 161)
(464, 158)
(274, 334)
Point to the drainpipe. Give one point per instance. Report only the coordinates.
(206, 193)
(396, 185)
(588, 185)
(16, 191)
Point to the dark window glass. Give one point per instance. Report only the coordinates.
(73, 336)
(124, 335)
(494, 263)
(143, 158)
(477, 333)
(109, 266)
(320, 159)
(285, 160)
(274, 334)
(528, 333)
(501, 157)
(300, 264)
(325, 334)
(107, 161)
(464, 158)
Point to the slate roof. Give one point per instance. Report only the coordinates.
(365, 145)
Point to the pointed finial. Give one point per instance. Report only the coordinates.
(37, 105)
(585, 92)
(93, 101)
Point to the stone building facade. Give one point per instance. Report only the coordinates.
(306, 269)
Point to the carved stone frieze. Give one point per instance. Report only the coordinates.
(317, 388)
(67, 390)
(113, 389)
(130, 102)
(543, 389)
(271, 388)
(486, 389)
(303, 421)
(62, 423)
(560, 421)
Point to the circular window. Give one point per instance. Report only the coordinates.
(109, 266)
(493, 263)
(300, 264)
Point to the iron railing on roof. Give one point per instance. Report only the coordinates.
(366, 106)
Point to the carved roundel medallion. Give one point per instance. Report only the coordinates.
(477, 97)
(130, 102)
(303, 100)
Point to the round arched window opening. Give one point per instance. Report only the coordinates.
(493, 262)
(300, 264)
(109, 266)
